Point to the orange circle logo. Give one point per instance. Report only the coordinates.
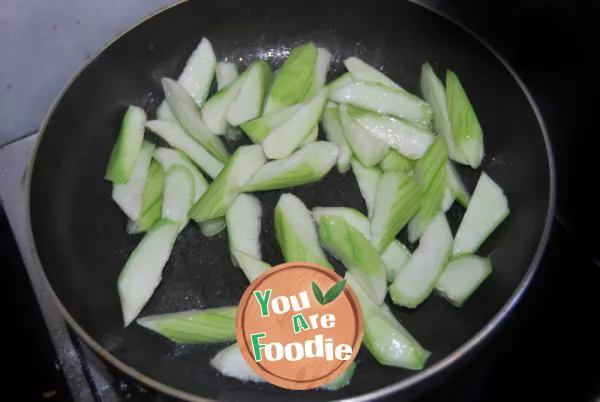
(299, 326)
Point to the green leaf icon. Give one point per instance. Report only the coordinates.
(334, 292)
(317, 292)
(331, 294)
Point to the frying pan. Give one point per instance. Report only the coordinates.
(79, 232)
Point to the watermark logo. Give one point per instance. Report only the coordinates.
(299, 326)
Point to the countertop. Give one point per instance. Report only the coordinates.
(43, 43)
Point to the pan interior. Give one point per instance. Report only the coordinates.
(79, 231)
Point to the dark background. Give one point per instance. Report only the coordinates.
(549, 347)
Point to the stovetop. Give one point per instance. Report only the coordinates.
(545, 349)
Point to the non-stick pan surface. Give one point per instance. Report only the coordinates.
(79, 232)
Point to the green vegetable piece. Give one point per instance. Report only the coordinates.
(352, 216)
(416, 280)
(142, 273)
(176, 136)
(462, 277)
(293, 83)
(196, 77)
(164, 113)
(127, 148)
(129, 196)
(447, 201)
(307, 165)
(367, 148)
(322, 66)
(296, 233)
(398, 199)
(226, 72)
(244, 224)
(487, 209)
(361, 71)
(340, 82)
(187, 113)
(212, 325)
(178, 195)
(217, 107)
(169, 157)
(249, 102)
(434, 93)
(230, 362)
(395, 161)
(368, 181)
(152, 200)
(212, 227)
(430, 173)
(467, 132)
(384, 336)
(198, 74)
(394, 257)
(251, 266)
(287, 137)
(410, 140)
(335, 134)
(223, 191)
(457, 187)
(356, 252)
(312, 135)
(385, 100)
(260, 128)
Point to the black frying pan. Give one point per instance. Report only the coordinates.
(80, 236)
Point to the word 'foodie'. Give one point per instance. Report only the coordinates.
(318, 347)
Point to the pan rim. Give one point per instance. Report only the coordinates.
(459, 355)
